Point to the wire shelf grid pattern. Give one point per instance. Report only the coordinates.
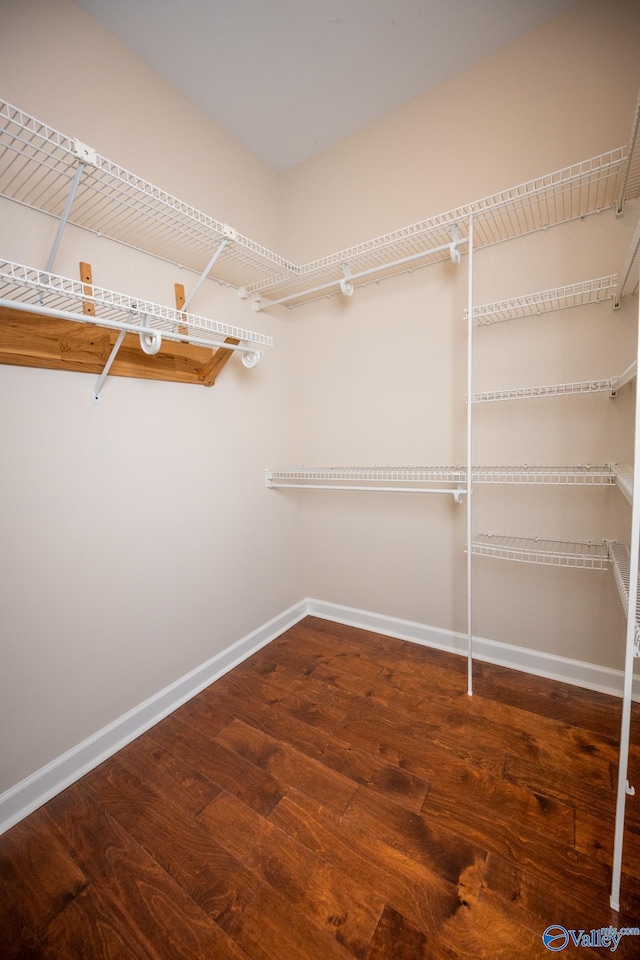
(22, 284)
(37, 166)
(621, 563)
(546, 301)
(550, 390)
(567, 194)
(631, 269)
(576, 475)
(630, 188)
(585, 555)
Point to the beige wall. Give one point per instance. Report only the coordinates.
(141, 540)
(383, 380)
(563, 92)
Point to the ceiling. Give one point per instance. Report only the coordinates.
(288, 78)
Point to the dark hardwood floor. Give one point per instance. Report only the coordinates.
(336, 796)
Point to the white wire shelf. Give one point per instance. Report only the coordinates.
(431, 480)
(631, 269)
(546, 301)
(630, 187)
(37, 167)
(580, 475)
(46, 293)
(403, 477)
(585, 555)
(567, 194)
(620, 562)
(610, 385)
(624, 480)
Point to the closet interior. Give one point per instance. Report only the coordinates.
(43, 169)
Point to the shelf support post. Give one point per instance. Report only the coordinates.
(625, 727)
(469, 454)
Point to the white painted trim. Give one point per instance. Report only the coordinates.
(25, 797)
(576, 672)
(22, 799)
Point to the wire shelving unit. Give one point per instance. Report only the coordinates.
(546, 301)
(403, 478)
(624, 480)
(42, 168)
(26, 288)
(38, 165)
(584, 555)
(631, 269)
(620, 557)
(51, 172)
(610, 385)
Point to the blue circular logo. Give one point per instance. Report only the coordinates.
(555, 938)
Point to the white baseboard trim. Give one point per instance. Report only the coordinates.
(548, 665)
(19, 801)
(22, 799)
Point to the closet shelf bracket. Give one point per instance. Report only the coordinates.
(75, 183)
(205, 273)
(625, 377)
(105, 373)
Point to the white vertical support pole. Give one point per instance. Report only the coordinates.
(469, 457)
(625, 726)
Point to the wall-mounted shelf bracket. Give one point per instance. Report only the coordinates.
(205, 273)
(625, 377)
(105, 373)
(75, 183)
(454, 248)
(346, 284)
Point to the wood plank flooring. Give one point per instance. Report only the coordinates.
(338, 796)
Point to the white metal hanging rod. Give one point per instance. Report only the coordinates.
(152, 332)
(339, 281)
(456, 494)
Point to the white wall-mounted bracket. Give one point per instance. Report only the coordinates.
(625, 377)
(75, 183)
(203, 276)
(454, 249)
(105, 373)
(251, 360)
(346, 284)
